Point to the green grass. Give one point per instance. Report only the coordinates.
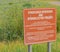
(18, 46)
(11, 16)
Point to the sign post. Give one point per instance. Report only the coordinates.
(49, 47)
(29, 48)
(39, 26)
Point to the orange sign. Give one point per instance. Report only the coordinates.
(39, 25)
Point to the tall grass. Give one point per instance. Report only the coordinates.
(11, 26)
(11, 17)
(18, 46)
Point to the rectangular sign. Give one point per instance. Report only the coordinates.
(39, 25)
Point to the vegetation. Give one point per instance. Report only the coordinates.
(11, 18)
(18, 46)
(11, 25)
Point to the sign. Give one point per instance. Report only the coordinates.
(39, 25)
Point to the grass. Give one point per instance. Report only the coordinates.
(18, 46)
(12, 47)
(11, 13)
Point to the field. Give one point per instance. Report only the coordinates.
(11, 26)
(18, 46)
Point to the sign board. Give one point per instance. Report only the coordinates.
(39, 25)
